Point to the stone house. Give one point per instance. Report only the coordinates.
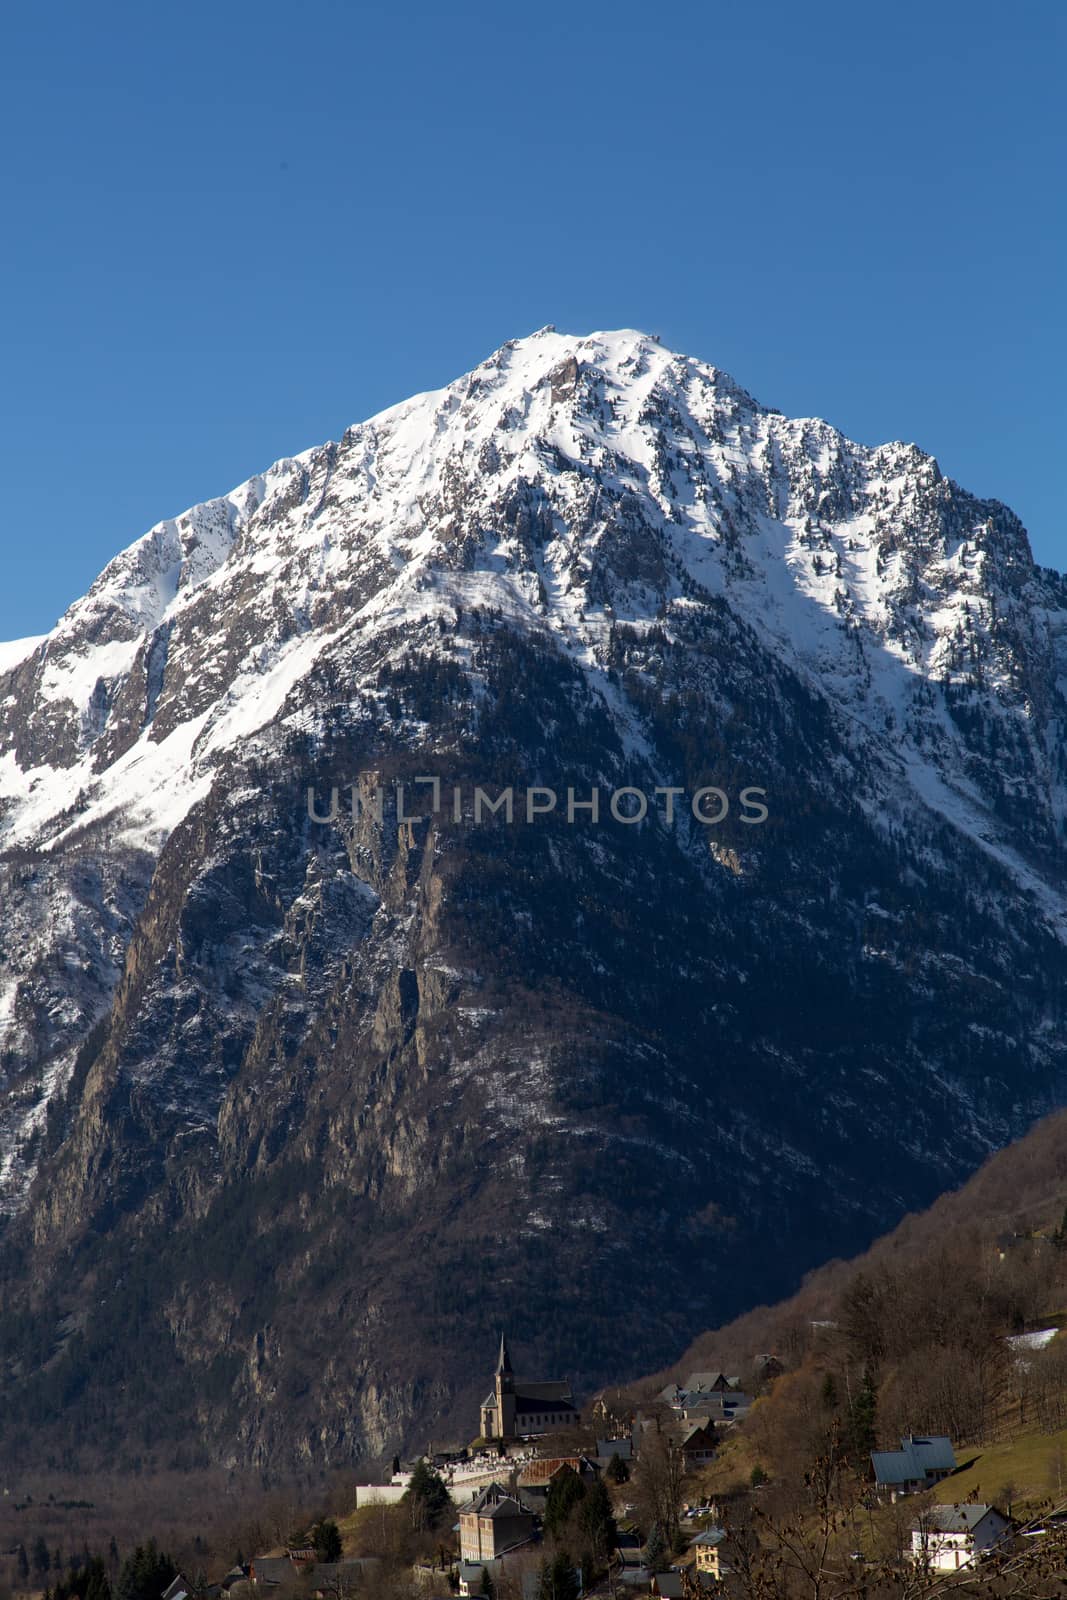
(705, 1548)
(491, 1523)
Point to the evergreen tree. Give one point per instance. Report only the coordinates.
(655, 1549)
(559, 1581)
(23, 1566)
(565, 1492)
(829, 1392)
(861, 1433)
(487, 1587)
(596, 1520)
(617, 1470)
(326, 1537)
(426, 1497)
(145, 1574)
(89, 1581)
(99, 1584)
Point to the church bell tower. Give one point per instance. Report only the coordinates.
(505, 1393)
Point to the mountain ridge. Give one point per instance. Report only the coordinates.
(1018, 1194)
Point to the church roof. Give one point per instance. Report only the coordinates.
(542, 1402)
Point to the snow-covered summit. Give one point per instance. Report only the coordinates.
(860, 565)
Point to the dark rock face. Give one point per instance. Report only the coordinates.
(296, 1112)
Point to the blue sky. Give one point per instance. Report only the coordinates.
(230, 230)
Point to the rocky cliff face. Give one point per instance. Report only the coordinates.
(299, 1105)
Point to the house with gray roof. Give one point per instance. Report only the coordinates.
(706, 1408)
(606, 1448)
(706, 1550)
(947, 1538)
(271, 1572)
(698, 1447)
(918, 1464)
(728, 1407)
(492, 1522)
(337, 1580)
(472, 1575)
(709, 1383)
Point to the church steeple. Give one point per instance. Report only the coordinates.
(504, 1394)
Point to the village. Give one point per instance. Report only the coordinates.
(759, 1484)
(545, 1504)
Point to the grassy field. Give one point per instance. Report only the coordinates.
(730, 1470)
(1033, 1465)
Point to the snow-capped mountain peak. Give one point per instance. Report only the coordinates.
(860, 565)
(590, 563)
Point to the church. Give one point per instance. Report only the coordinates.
(519, 1410)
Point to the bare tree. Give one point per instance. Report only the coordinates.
(657, 1482)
